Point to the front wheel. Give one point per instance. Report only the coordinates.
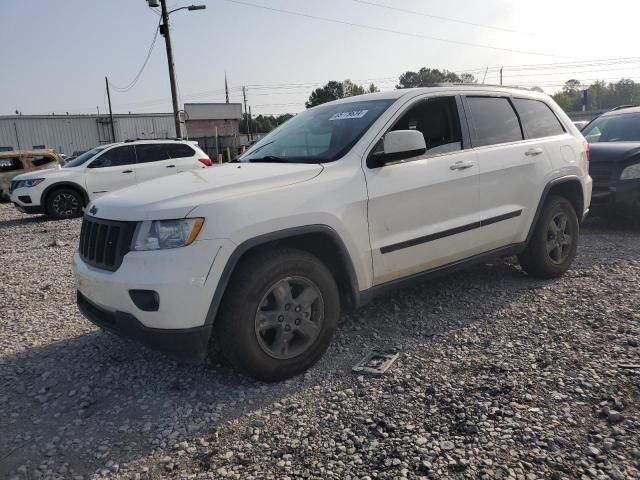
(278, 314)
(64, 203)
(554, 242)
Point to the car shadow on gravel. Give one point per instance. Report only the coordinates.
(96, 397)
(24, 220)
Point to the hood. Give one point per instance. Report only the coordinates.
(613, 152)
(175, 196)
(53, 171)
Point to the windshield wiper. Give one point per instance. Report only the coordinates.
(268, 159)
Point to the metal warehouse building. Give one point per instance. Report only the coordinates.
(71, 133)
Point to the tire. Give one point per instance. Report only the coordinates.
(554, 242)
(278, 314)
(64, 203)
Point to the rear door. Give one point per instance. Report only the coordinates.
(184, 157)
(113, 169)
(154, 162)
(512, 170)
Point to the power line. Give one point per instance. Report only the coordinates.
(397, 32)
(437, 17)
(144, 64)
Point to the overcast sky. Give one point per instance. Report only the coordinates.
(55, 54)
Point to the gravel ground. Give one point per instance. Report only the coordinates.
(500, 376)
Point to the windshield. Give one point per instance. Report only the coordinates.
(624, 127)
(322, 134)
(79, 160)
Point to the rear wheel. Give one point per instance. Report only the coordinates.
(278, 314)
(554, 242)
(64, 203)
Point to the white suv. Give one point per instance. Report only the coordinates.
(336, 206)
(64, 192)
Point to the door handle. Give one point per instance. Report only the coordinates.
(532, 152)
(127, 171)
(171, 166)
(461, 165)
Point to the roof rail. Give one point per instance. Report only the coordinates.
(128, 140)
(467, 84)
(622, 107)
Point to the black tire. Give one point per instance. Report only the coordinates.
(247, 299)
(63, 203)
(548, 255)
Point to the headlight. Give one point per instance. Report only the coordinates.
(28, 183)
(162, 234)
(632, 172)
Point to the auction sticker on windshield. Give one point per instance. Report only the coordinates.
(348, 115)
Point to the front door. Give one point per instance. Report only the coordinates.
(113, 169)
(423, 211)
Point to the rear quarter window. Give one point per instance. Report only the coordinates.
(537, 118)
(494, 121)
(180, 151)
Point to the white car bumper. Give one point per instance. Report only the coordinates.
(184, 280)
(28, 199)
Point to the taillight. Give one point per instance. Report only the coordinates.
(205, 161)
(587, 149)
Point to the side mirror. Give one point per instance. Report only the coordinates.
(398, 145)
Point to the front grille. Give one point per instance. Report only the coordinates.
(601, 174)
(104, 243)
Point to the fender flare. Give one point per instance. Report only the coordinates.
(53, 186)
(245, 246)
(545, 193)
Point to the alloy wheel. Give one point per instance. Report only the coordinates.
(289, 318)
(559, 238)
(65, 204)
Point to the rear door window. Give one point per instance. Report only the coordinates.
(537, 118)
(116, 157)
(10, 164)
(494, 121)
(154, 152)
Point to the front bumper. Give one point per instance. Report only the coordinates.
(622, 197)
(184, 279)
(189, 344)
(34, 194)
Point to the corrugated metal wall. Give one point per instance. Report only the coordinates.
(70, 133)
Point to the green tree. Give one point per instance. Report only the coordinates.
(263, 123)
(426, 77)
(335, 90)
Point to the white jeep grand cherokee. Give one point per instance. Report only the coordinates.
(336, 206)
(64, 192)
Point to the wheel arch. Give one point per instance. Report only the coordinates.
(70, 185)
(569, 187)
(321, 241)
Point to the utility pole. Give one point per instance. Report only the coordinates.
(501, 68)
(246, 113)
(164, 30)
(113, 130)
